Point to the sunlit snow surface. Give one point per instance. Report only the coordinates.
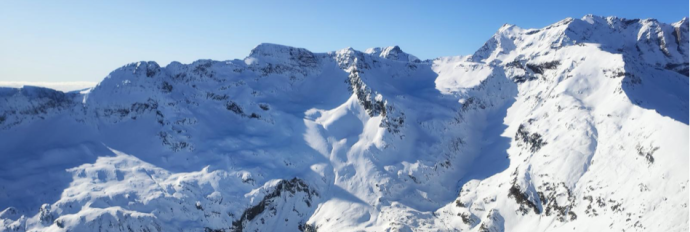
(579, 126)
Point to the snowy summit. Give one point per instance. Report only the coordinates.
(578, 126)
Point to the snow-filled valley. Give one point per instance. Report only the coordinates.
(578, 126)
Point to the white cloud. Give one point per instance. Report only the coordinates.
(61, 86)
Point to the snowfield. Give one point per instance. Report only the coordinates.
(578, 126)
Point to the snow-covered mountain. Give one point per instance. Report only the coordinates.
(578, 126)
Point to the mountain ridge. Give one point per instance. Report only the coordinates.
(509, 138)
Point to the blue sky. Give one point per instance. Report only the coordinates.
(51, 41)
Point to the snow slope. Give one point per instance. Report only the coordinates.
(581, 125)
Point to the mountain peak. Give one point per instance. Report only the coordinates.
(276, 53)
(681, 22)
(533, 131)
(272, 50)
(656, 42)
(392, 53)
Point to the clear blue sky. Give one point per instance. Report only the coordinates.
(84, 40)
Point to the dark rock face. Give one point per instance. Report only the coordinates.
(234, 107)
(373, 106)
(534, 141)
(269, 204)
(540, 68)
(522, 199)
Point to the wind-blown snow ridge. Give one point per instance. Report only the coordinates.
(534, 131)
